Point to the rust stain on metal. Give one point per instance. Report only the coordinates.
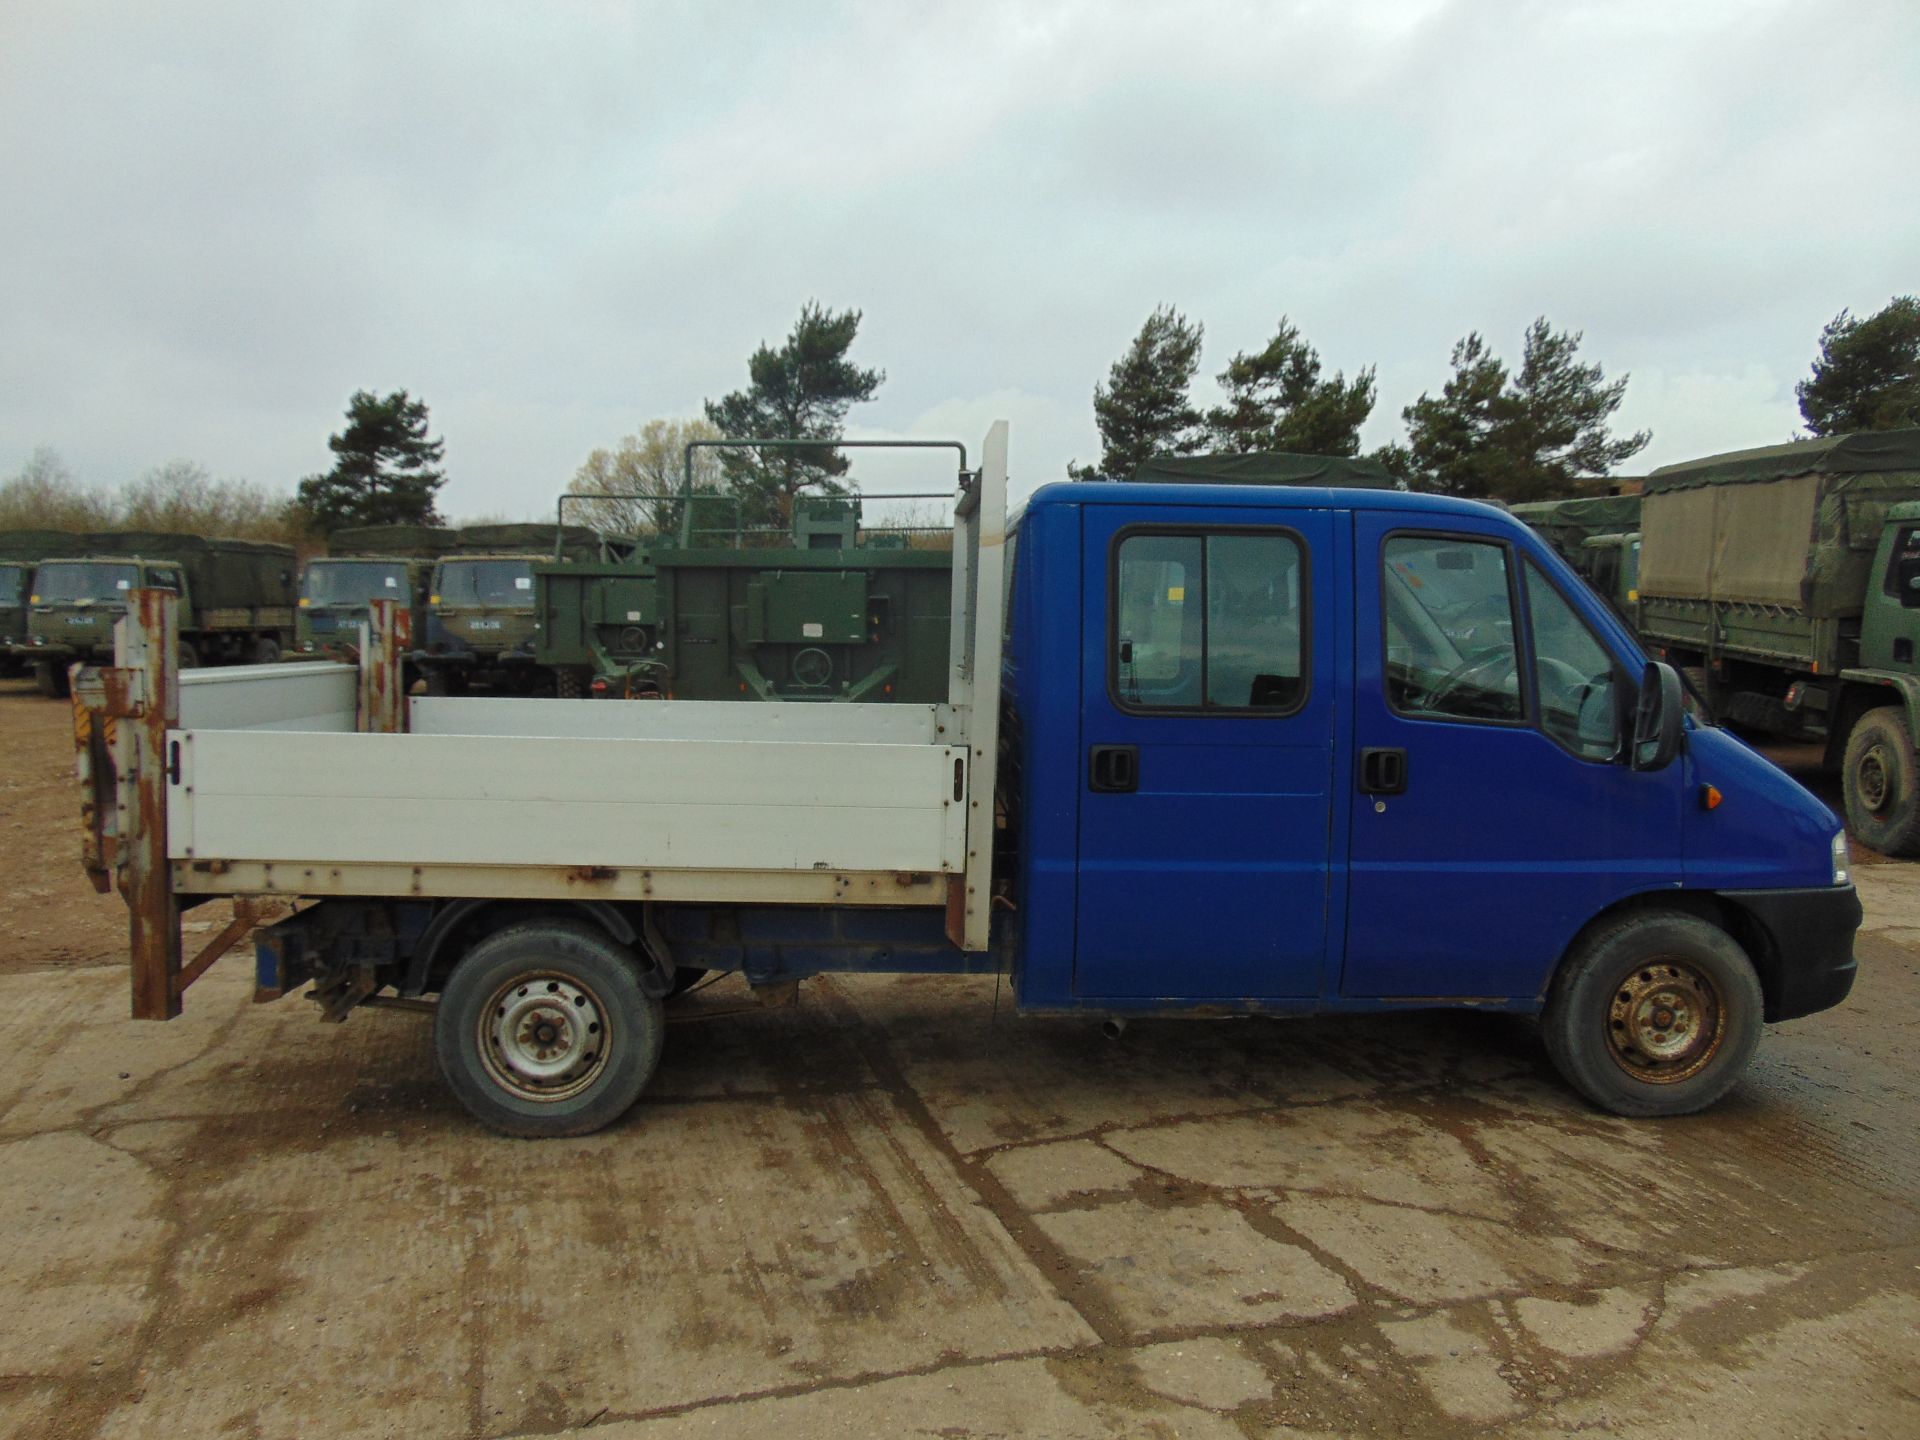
(591, 874)
(152, 641)
(383, 696)
(244, 916)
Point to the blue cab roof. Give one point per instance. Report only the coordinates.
(1263, 497)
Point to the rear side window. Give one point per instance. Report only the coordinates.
(1208, 622)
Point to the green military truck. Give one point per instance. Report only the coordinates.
(481, 620)
(236, 599)
(702, 614)
(1611, 564)
(364, 564)
(20, 551)
(1787, 581)
(1588, 532)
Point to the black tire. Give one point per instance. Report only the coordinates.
(1653, 1013)
(266, 651)
(50, 679)
(186, 657)
(436, 682)
(568, 685)
(542, 1030)
(1880, 779)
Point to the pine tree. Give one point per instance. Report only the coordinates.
(1276, 400)
(1144, 409)
(385, 471)
(1516, 437)
(1868, 373)
(802, 391)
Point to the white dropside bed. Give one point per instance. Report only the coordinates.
(584, 787)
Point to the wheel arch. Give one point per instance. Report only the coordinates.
(1862, 691)
(462, 920)
(1763, 952)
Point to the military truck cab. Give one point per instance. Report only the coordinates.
(73, 607)
(335, 593)
(480, 623)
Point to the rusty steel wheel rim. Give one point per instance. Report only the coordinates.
(544, 1037)
(1666, 1022)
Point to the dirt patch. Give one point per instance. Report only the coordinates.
(54, 919)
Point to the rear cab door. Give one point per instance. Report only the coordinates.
(1209, 680)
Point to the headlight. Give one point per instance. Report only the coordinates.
(1842, 871)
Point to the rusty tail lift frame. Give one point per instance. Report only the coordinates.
(124, 759)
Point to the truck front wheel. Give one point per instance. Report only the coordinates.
(50, 679)
(543, 1030)
(1880, 779)
(1653, 1013)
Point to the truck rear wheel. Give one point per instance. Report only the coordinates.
(1880, 779)
(542, 1030)
(1653, 1013)
(266, 651)
(568, 684)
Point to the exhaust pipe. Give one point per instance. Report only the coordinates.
(1113, 1029)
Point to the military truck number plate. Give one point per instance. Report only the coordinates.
(485, 624)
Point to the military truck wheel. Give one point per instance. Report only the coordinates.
(1653, 1013)
(568, 684)
(186, 657)
(542, 1029)
(1880, 779)
(50, 679)
(266, 651)
(435, 682)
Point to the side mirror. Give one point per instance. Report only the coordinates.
(1658, 718)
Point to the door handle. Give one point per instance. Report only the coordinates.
(1383, 771)
(1115, 769)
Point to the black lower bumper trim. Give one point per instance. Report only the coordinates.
(1810, 965)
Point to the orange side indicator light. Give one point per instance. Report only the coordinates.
(1710, 797)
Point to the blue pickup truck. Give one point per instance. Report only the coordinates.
(1208, 750)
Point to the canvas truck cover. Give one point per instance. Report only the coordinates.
(1785, 525)
(24, 545)
(221, 574)
(578, 542)
(1567, 525)
(1277, 467)
(410, 542)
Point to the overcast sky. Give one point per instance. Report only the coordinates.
(555, 222)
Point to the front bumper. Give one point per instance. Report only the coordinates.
(1809, 936)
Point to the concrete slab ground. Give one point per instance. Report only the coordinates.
(885, 1212)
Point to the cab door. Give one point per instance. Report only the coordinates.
(1207, 753)
(1495, 812)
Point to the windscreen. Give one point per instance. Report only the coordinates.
(334, 583)
(63, 581)
(486, 582)
(13, 583)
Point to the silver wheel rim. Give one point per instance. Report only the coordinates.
(543, 1037)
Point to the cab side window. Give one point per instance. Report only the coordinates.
(1903, 569)
(1209, 622)
(1573, 675)
(1450, 635)
(164, 580)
